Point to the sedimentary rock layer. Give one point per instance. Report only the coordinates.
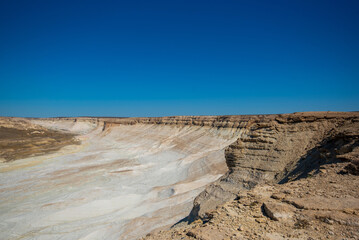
(270, 148)
(276, 149)
(129, 173)
(121, 182)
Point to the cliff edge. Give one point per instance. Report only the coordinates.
(274, 148)
(282, 148)
(286, 173)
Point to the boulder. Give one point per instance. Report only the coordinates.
(278, 211)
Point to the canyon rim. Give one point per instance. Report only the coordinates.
(123, 178)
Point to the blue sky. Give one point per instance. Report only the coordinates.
(159, 58)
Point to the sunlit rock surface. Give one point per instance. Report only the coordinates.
(121, 178)
(121, 182)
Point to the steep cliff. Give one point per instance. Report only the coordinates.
(291, 176)
(280, 148)
(269, 148)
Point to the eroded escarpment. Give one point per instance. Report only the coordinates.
(271, 148)
(143, 173)
(121, 182)
(281, 148)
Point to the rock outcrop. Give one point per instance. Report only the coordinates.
(270, 148)
(281, 148)
(324, 206)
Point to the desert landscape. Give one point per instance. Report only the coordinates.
(184, 120)
(279, 176)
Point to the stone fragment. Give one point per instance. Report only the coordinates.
(278, 211)
(278, 196)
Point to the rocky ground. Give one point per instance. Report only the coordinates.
(325, 205)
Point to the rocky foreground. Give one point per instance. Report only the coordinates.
(324, 205)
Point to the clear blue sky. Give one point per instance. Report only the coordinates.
(158, 58)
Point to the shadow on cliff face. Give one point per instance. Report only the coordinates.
(279, 153)
(338, 147)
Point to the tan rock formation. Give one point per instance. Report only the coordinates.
(323, 206)
(302, 151)
(278, 148)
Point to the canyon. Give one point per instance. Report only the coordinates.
(122, 178)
